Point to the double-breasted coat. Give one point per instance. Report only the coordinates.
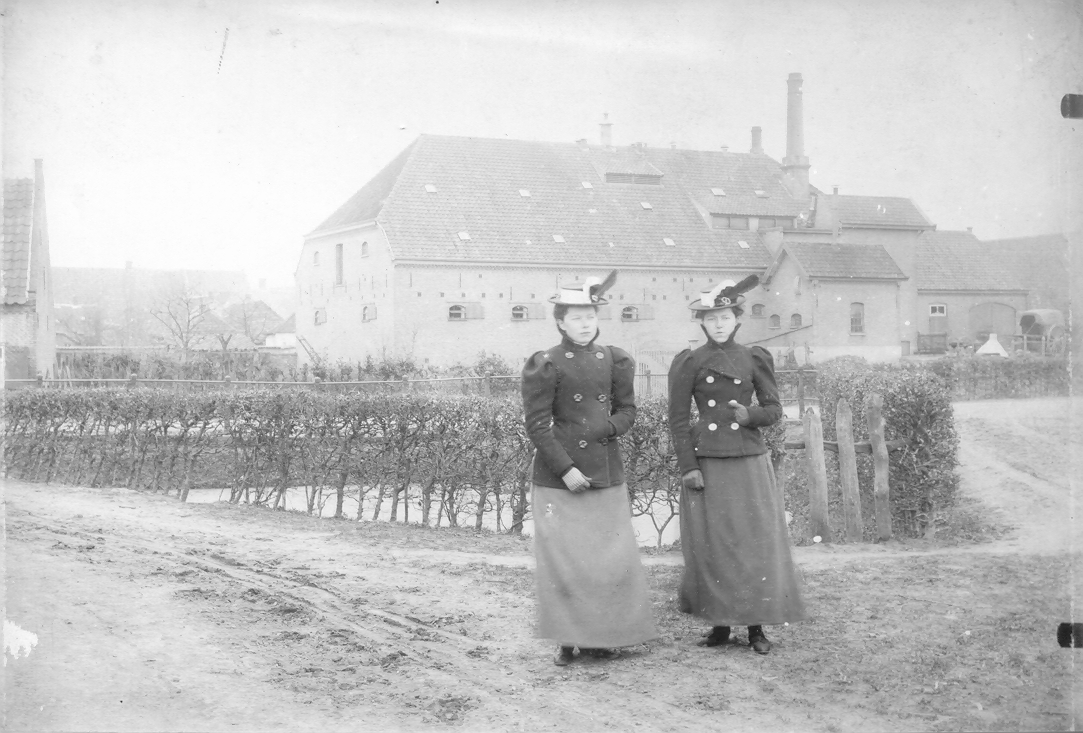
(578, 400)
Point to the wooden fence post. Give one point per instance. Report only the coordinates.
(487, 384)
(132, 380)
(851, 498)
(646, 380)
(881, 491)
(800, 391)
(817, 476)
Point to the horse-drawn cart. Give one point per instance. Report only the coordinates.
(1042, 330)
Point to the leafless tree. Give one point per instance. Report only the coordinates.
(184, 314)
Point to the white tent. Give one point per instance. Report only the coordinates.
(992, 347)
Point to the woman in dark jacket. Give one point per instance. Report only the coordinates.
(578, 398)
(737, 564)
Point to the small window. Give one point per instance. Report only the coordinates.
(757, 310)
(857, 318)
(766, 222)
(558, 239)
(938, 310)
(669, 242)
(629, 313)
(319, 317)
(430, 188)
(795, 320)
(338, 264)
(775, 322)
(645, 205)
(316, 257)
(738, 222)
(718, 192)
(368, 313)
(456, 313)
(364, 249)
(520, 313)
(742, 244)
(464, 236)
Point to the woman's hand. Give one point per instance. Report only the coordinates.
(740, 412)
(693, 480)
(576, 482)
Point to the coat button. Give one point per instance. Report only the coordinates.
(736, 381)
(600, 355)
(577, 398)
(712, 426)
(604, 441)
(711, 403)
(710, 380)
(569, 354)
(601, 398)
(734, 426)
(582, 444)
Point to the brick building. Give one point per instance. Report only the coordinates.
(27, 327)
(453, 248)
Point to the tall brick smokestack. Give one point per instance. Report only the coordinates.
(607, 130)
(795, 165)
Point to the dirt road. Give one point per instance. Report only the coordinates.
(155, 615)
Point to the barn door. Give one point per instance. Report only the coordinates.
(987, 318)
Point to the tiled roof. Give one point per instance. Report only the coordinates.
(959, 261)
(885, 211)
(18, 221)
(842, 261)
(477, 187)
(288, 325)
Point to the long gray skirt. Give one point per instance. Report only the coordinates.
(591, 587)
(738, 570)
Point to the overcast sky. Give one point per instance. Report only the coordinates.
(171, 143)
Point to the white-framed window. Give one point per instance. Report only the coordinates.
(456, 313)
(857, 318)
(629, 313)
(319, 317)
(938, 309)
(465, 312)
(774, 321)
(520, 313)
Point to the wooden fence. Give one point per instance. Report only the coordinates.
(814, 446)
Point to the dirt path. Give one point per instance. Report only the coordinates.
(155, 615)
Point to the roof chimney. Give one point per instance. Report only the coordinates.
(607, 130)
(795, 165)
(757, 141)
(725, 148)
(673, 146)
(970, 230)
(834, 190)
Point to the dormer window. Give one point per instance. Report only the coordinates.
(645, 179)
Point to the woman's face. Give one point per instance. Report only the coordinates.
(719, 324)
(580, 323)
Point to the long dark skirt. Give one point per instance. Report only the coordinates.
(737, 565)
(592, 590)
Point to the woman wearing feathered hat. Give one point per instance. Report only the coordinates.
(578, 398)
(737, 565)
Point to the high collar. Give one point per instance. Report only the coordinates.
(570, 345)
(728, 343)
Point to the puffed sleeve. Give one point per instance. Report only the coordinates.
(539, 391)
(769, 411)
(624, 398)
(682, 376)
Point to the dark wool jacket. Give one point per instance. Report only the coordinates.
(713, 375)
(577, 401)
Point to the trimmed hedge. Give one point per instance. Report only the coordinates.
(917, 409)
(990, 377)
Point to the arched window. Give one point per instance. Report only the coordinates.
(364, 249)
(775, 321)
(519, 313)
(857, 318)
(629, 313)
(368, 313)
(320, 317)
(757, 310)
(456, 313)
(795, 320)
(316, 257)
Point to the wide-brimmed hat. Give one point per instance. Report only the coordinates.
(588, 292)
(727, 294)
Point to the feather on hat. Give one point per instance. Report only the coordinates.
(588, 292)
(725, 294)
